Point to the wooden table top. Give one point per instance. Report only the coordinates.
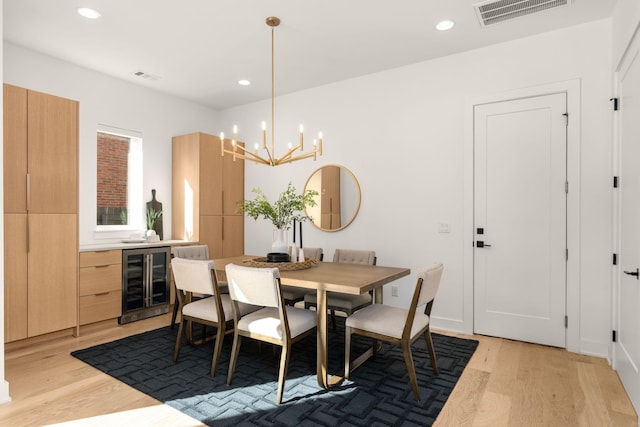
(352, 279)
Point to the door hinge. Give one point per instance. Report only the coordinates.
(615, 182)
(566, 321)
(566, 187)
(616, 103)
(615, 259)
(566, 116)
(566, 254)
(614, 336)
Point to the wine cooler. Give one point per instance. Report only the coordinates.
(145, 283)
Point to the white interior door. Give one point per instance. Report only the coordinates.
(520, 152)
(627, 347)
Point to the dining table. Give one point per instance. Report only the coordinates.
(323, 277)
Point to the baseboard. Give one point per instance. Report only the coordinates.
(4, 392)
(594, 348)
(449, 325)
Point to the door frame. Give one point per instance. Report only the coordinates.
(631, 51)
(572, 89)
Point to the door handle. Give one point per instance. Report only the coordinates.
(482, 244)
(634, 273)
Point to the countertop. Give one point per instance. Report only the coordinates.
(122, 245)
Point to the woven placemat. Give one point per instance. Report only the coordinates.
(262, 263)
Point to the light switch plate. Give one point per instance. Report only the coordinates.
(443, 227)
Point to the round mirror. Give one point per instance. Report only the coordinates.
(338, 200)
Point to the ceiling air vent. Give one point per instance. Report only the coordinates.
(494, 11)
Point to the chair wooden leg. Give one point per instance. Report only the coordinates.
(235, 348)
(175, 313)
(217, 349)
(284, 364)
(176, 349)
(375, 346)
(432, 351)
(347, 352)
(408, 359)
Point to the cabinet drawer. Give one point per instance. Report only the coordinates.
(103, 306)
(89, 259)
(94, 280)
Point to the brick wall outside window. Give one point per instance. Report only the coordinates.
(113, 151)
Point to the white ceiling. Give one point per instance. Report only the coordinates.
(201, 48)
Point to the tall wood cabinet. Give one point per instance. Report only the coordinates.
(206, 191)
(40, 213)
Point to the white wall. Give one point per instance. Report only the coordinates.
(626, 16)
(401, 132)
(117, 103)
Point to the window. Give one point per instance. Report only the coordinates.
(119, 179)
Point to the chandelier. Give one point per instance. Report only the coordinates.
(293, 153)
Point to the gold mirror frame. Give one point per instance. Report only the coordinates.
(329, 182)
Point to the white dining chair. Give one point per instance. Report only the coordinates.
(399, 325)
(214, 309)
(276, 323)
(200, 252)
(345, 303)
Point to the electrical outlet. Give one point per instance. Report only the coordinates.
(443, 227)
(394, 290)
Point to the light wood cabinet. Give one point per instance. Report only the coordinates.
(40, 213)
(100, 286)
(15, 277)
(228, 227)
(207, 188)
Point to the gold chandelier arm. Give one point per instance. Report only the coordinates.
(271, 159)
(289, 159)
(291, 151)
(251, 156)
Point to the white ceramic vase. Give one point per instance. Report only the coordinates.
(279, 244)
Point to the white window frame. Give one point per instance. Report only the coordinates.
(135, 214)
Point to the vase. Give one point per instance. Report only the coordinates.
(279, 244)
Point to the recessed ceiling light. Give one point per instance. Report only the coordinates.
(244, 82)
(445, 25)
(89, 13)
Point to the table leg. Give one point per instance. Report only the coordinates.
(324, 380)
(322, 357)
(377, 295)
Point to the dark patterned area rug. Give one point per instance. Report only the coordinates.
(378, 393)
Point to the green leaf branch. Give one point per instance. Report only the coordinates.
(288, 207)
(152, 216)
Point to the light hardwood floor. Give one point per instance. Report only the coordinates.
(506, 383)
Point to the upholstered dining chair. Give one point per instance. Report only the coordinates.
(292, 294)
(189, 252)
(276, 323)
(192, 252)
(398, 325)
(345, 303)
(214, 309)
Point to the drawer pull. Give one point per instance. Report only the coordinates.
(101, 294)
(102, 266)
